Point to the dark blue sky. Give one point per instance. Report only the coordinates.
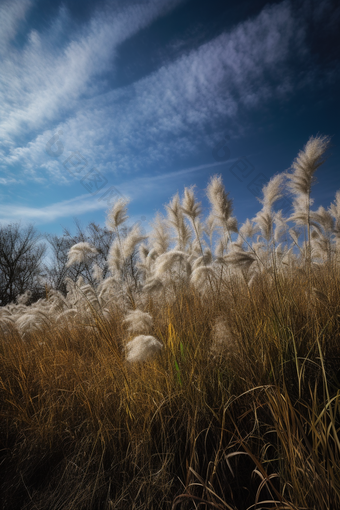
(133, 98)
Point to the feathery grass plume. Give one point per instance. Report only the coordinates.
(67, 314)
(131, 240)
(265, 218)
(143, 251)
(32, 322)
(142, 348)
(118, 214)
(139, 322)
(301, 179)
(321, 236)
(80, 282)
(202, 276)
(306, 164)
(153, 285)
(57, 301)
(165, 262)
(321, 246)
(97, 273)
(334, 209)
(145, 261)
(195, 250)
(220, 249)
(240, 258)
(272, 191)
(81, 253)
(176, 220)
(222, 206)
(159, 236)
(7, 325)
(223, 341)
(325, 219)
(106, 287)
(294, 234)
(280, 226)
(301, 211)
(190, 207)
(209, 227)
(248, 229)
(24, 298)
(115, 258)
(203, 260)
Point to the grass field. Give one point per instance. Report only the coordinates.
(236, 408)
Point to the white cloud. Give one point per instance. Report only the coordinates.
(41, 82)
(41, 215)
(133, 189)
(164, 117)
(12, 13)
(167, 115)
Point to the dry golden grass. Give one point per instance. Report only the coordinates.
(253, 423)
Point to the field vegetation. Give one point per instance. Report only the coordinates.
(199, 371)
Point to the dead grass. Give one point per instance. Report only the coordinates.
(254, 424)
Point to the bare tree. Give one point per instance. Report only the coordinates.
(99, 237)
(21, 254)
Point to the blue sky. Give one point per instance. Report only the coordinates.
(141, 98)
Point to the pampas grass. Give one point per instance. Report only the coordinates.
(142, 348)
(211, 383)
(79, 253)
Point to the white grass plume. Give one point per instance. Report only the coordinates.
(306, 164)
(248, 229)
(118, 214)
(165, 262)
(203, 260)
(209, 227)
(264, 220)
(24, 298)
(32, 322)
(223, 341)
(131, 240)
(159, 236)
(190, 207)
(142, 348)
(222, 205)
(325, 219)
(176, 220)
(273, 191)
(240, 258)
(97, 273)
(221, 248)
(153, 285)
(115, 258)
(139, 322)
(280, 226)
(202, 275)
(80, 253)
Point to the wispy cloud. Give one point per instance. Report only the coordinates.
(156, 122)
(44, 80)
(133, 189)
(12, 13)
(42, 215)
(160, 119)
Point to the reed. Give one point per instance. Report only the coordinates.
(213, 383)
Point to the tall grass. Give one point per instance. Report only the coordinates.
(239, 409)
